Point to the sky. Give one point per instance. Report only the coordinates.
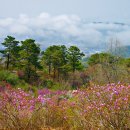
(66, 21)
(112, 10)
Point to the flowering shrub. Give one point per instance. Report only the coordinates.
(98, 107)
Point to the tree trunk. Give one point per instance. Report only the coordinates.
(58, 74)
(54, 72)
(49, 70)
(7, 67)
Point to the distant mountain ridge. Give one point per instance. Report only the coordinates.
(127, 53)
(118, 23)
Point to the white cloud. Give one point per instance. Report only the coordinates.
(69, 29)
(6, 22)
(23, 19)
(124, 36)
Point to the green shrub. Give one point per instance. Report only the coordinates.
(9, 77)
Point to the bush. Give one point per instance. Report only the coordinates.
(95, 108)
(9, 77)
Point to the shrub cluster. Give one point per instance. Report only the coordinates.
(98, 107)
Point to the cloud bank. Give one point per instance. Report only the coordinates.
(63, 29)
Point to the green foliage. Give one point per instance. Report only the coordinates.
(99, 58)
(29, 52)
(107, 68)
(29, 57)
(128, 62)
(13, 80)
(61, 60)
(26, 56)
(11, 51)
(47, 83)
(60, 63)
(74, 57)
(9, 77)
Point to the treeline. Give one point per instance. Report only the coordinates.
(27, 56)
(108, 68)
(61, 64)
